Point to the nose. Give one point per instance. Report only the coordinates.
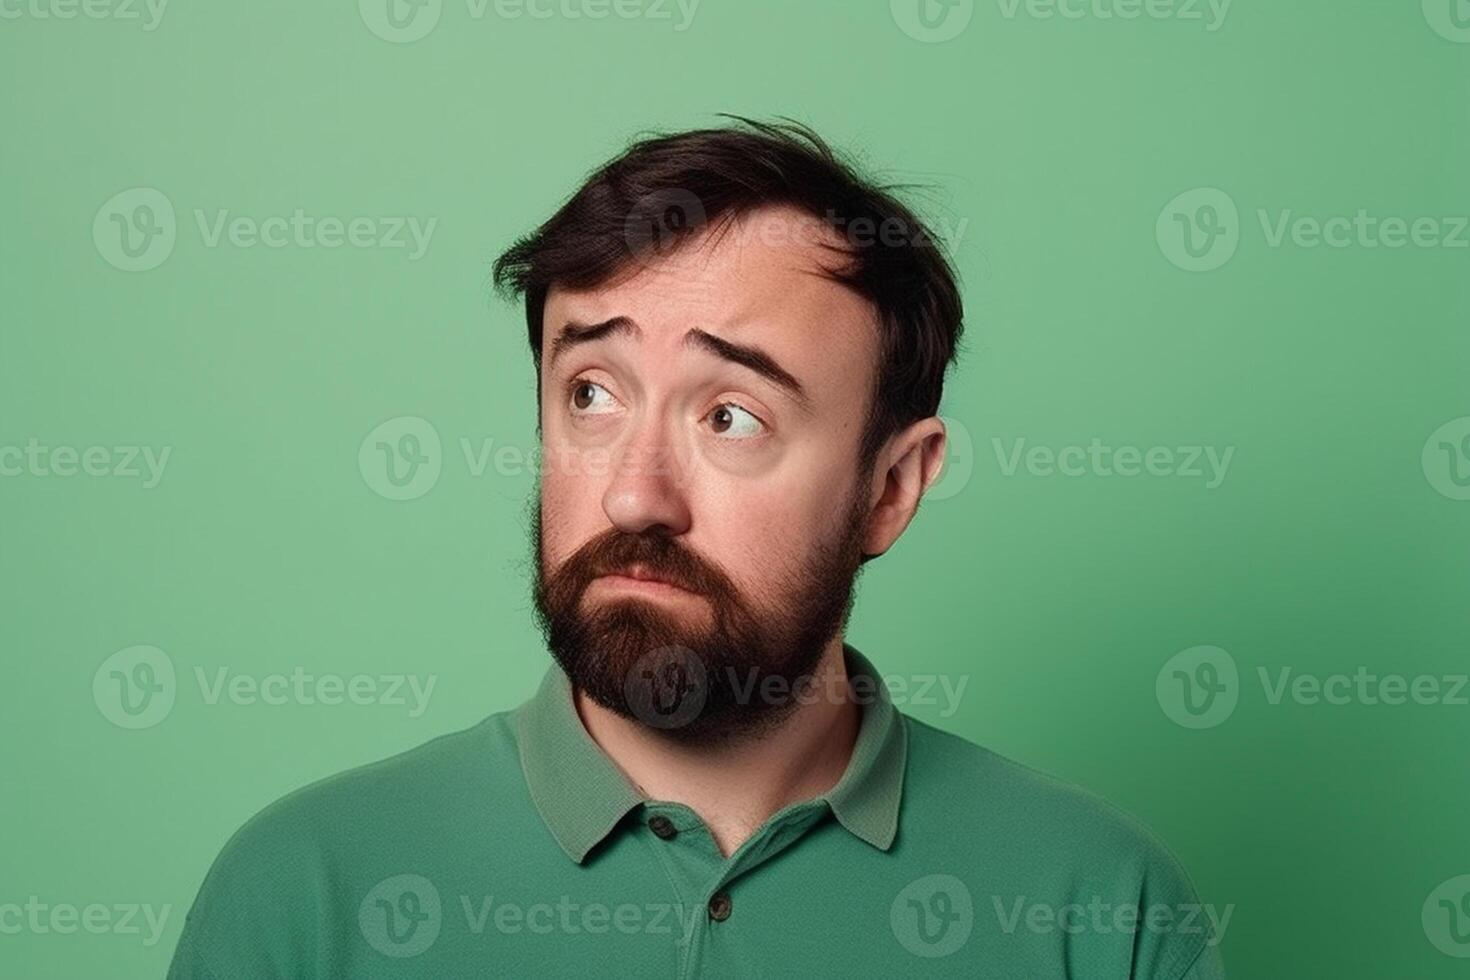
(645, 494)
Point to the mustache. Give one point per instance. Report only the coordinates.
(614, 552)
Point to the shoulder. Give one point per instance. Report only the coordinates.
(269, 889)
(993, 796)
(1039, 853)
(382, 795)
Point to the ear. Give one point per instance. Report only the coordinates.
(906, 468)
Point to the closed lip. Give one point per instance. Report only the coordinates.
(642, 575)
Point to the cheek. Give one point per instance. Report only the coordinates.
(571, 507)
(757, 531)
(787, 507)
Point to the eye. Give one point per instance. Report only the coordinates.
(733, 422)
(590, 398)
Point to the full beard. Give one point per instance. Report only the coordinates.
(732, 671)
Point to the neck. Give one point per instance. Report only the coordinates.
(736, 785)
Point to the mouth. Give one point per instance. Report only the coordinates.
(641, 578)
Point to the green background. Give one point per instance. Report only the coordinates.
(1054, 143)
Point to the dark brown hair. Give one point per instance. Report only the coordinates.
(665, 187)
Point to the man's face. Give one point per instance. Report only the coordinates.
(701, 420)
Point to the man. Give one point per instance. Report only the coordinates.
(740, 348)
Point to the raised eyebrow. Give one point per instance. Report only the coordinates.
(752, 358)
(572, 334)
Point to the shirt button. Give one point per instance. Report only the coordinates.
(719, 907)
(663, 827)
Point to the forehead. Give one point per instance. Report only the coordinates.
(759, 279)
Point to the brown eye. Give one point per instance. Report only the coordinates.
(733, 422)
(591, 398)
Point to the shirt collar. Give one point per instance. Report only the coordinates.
(582, 795)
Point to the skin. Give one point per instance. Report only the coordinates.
(678, 440)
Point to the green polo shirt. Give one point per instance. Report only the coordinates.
(517, 848)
